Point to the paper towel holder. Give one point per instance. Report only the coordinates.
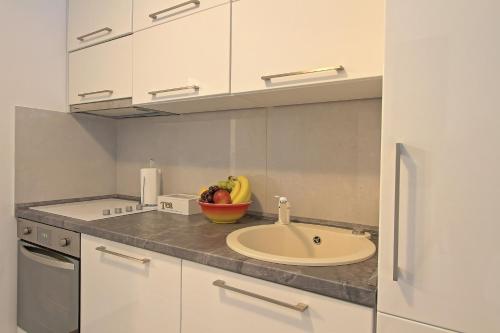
(150, 185)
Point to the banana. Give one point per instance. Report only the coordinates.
(244, 193)
(236, 189)
(203, 189)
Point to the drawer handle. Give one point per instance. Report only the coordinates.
(124, 256)
(155, 92)
(154, 15)
(301, 307)
(317, 70)
(95, 92)
(82, 37)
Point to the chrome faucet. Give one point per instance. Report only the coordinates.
(283, 210)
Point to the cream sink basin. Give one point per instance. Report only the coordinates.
(301, 244)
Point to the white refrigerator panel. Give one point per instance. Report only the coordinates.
(441, 100)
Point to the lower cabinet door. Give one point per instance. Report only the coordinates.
(391, 324)
(212, 308)
(126, 290)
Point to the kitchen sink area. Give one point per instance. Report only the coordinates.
(302, 244)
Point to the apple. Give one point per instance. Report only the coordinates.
(222, 197)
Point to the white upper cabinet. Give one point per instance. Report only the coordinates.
(125, 289)
(282, 37)
(184, 58)
(101, 72)
(148, 13)
(208, 306)
(94, 21)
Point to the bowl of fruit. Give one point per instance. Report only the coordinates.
(226, 202)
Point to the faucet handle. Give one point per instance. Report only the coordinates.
(281, 200)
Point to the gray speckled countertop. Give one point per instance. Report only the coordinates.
(196, 239)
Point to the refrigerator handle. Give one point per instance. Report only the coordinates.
(397, 178)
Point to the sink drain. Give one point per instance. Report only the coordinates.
(317, 240)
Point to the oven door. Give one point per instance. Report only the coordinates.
(47, 291)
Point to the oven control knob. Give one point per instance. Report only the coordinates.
(64, 242)
(129, 209)
(118, 210)
(106, 212)
(26, 231)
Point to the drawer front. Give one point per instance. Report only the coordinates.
(148, 13)
(128, 290)
(299, 35)
(211, 308)
(95, 21)
(101, 72)
(183, 59)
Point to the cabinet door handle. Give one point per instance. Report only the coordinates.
(154, 15)
(155, 92)
(95, 92)
(82, 37)
(301, 307)
(397, 181)
(121, 255)
(317, 70)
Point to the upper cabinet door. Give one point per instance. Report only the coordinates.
(148, 13)
(102, 72)
(183, 58)
(94, 21)
(281, 37)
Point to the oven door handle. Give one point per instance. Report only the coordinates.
(45, 258)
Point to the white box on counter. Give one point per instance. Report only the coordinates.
(185, 204)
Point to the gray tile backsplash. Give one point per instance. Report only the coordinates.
(59, 156)
(324, 157)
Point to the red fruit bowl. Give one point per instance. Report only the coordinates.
(224, 213)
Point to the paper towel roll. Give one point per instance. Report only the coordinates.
(150, 186)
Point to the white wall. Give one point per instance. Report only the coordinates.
(32, 73)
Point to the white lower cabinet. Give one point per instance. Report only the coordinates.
(211, 309)
(120, 293)
(391, 324)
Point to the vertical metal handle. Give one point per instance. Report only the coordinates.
(397, 181)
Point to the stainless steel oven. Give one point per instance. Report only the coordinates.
(48, 279)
